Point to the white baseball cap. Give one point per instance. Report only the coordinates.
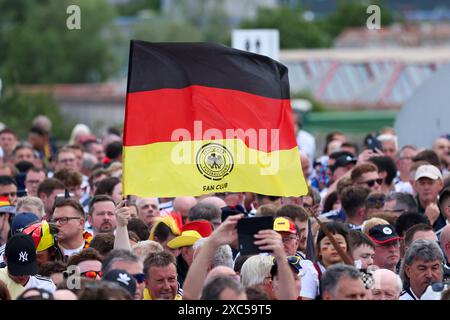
(428, 171)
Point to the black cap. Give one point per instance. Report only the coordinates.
(383, 234)
(122, 278)
(342, 161)
(20, 253)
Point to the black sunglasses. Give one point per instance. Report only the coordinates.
(372, 182)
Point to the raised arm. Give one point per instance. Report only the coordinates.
(123, 214)
(226, 233)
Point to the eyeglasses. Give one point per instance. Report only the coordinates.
(63, 220)
(91, 274)
(371, 183)
(139, 277)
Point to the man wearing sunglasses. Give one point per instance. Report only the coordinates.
(366, 175)
(88, 262)
(387, 171)
(128, 261)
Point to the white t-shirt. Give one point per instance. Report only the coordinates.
(310, 280)
(37, 281)
(69, 252)
(41, 282)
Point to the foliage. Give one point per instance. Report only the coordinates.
(351, 13)
(39, 48)
(132, 8)
(158, 29)
(19, 109)
(295, 31)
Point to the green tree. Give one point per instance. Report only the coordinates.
(157, 28)
(295, 31)
(41, 49)
(132, 8)
(352, 13)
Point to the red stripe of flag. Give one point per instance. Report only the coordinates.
(152, 116)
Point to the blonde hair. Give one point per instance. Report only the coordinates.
(369, 224)
(143, 248)
(29, 203)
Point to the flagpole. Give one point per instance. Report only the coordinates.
(330, 236)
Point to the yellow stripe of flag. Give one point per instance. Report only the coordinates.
(226, 165)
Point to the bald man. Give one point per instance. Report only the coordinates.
(215, 201)
(64, 294)
(221, 271)
(387, 285)
(445, 242)
(183, 205)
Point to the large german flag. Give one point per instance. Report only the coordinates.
(204, 118)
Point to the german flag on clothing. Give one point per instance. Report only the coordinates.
(203, 118)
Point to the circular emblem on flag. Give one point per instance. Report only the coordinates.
(387, 230)
(214, 161)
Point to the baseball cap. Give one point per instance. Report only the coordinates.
(428, 171)
(343, 161)
(41, 235)
(122, 278)
(20, 253)
(190, 233)
(22, 220)
(383, 233)
(282, 224)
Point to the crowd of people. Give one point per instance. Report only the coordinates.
(373, 226)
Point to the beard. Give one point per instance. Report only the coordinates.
(106, 227)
